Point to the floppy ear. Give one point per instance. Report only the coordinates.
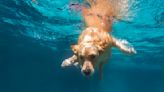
(101, 46)
(75, 48)
(84, 11)
(100, 49)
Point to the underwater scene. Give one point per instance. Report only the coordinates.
(36, 35)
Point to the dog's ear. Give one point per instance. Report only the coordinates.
(100, 49)
(101, 46)
(84, 10)
(75, 48)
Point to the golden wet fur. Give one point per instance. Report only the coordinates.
(94, 44)
(99, 15)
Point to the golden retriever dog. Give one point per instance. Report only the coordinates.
(93, 49)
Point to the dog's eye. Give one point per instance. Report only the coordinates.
(110, 18)
(92, 56)
(99, 16)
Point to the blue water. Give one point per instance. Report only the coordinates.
(36, 37)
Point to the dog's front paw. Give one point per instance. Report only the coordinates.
(66, 62)
(76, 64)
(125, 46)
(131, 50)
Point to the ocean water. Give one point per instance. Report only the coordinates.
(35, 37)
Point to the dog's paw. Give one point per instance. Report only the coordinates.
(131, 50)
(125, 42)
(76, 64)
(66, 63)
(125, 46)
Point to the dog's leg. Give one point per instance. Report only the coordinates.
(123, 46)
(70, 61)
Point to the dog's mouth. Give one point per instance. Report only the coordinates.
(87, 70)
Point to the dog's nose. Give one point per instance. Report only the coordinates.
(87, 72)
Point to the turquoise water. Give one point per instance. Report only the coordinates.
(36, 36)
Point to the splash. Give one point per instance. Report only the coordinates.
(125, 9)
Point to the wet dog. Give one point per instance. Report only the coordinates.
(93, 49)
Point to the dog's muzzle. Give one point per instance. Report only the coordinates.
(87, 71)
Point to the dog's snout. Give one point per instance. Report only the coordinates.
(87, 71)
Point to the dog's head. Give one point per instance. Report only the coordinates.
(87, 57)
